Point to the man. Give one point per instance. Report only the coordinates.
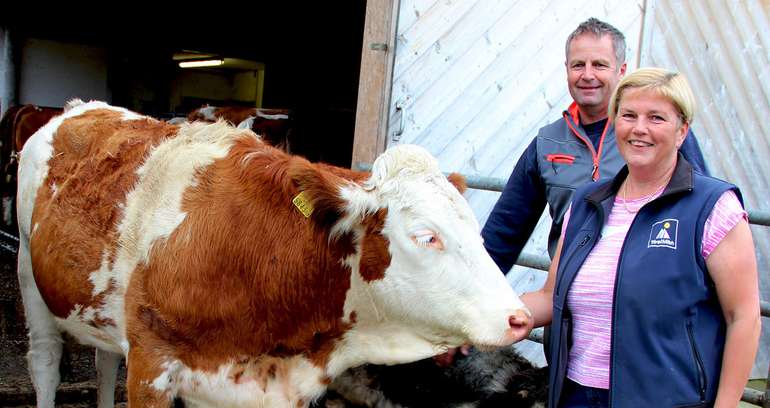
(574, 150)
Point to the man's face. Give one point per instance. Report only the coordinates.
(592, 74)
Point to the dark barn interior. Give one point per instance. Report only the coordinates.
(309, 54)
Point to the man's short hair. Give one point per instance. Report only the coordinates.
(669, 84)
(600, 28)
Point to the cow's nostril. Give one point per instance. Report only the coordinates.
(518, 319)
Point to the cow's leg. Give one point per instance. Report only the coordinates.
(45, 342)
(145, 385)
(106, 374)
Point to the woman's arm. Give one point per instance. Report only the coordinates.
(540, 302)
(733, 268)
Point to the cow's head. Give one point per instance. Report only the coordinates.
(420, 272)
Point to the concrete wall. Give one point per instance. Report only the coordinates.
(51, 73)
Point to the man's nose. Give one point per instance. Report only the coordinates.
(589, 73)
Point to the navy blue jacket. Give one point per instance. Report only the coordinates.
(560, 159)
(668, 331)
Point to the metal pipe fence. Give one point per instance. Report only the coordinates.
(757, 217)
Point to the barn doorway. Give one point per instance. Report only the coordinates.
(303, 56)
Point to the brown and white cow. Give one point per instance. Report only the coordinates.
(274, 126)
(232, 274)
(18, 124)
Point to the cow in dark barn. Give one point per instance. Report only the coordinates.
(16, 126)
(229, 273)
(274, 126)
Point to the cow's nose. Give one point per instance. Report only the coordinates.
(519, 318)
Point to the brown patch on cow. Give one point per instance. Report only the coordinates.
(93, 166)
(246, 274)
(157, 325)
(237, 376)
(458, 181)
(145, 365)
(353, 317)
(326, 380)
(375, 257)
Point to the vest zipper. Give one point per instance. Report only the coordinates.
(698, 362)
(615, 303)
(582, 243)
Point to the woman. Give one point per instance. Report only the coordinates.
(653, 295)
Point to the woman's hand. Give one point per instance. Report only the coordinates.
(522, 324)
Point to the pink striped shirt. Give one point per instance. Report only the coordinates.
(590, 296)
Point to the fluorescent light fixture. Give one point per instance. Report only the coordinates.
(201, 63)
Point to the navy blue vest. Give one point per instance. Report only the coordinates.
(668, 331)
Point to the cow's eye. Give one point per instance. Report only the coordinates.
(427, 238)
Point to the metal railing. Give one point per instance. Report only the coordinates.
(757, 217)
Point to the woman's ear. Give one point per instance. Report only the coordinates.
(681, 134)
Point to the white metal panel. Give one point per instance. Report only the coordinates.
(478, 78)
(723, 48)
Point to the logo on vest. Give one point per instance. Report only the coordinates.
(663, 234)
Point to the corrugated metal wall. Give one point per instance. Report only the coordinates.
(723, 47)
(475, 79)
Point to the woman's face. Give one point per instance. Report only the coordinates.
(648, 130)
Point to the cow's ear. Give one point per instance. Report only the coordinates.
(458, 181)
(317, 192)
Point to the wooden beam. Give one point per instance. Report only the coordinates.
(377, 57)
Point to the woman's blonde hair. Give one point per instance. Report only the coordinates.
(669, 84)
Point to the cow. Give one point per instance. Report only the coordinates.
(16, 126)
(273, 125)
(229, 273)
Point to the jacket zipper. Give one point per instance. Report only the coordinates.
(596, 156)
(698, 362)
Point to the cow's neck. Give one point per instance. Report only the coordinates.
(383, 343)
(375, 337)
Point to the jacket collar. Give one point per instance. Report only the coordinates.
(574, 113)
(681, 180)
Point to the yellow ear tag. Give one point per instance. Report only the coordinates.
(303, 204)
